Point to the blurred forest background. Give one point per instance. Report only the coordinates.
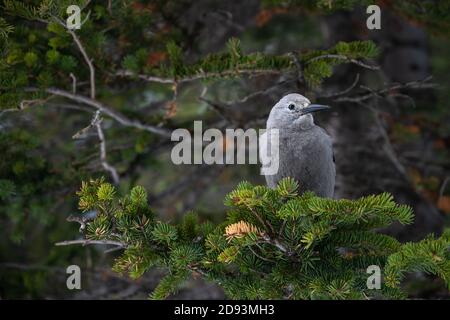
(390, 125)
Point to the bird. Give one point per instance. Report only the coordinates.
(305, 150)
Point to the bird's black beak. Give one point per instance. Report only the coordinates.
(314, 108)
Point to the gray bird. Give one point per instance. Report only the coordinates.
(305, 151)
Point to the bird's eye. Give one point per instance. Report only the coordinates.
(291, 106)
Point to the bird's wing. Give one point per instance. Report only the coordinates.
(329, 141)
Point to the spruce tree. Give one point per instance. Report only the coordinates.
(274, 243)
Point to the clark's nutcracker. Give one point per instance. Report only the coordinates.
(305, 150)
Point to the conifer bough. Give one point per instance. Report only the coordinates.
(274, 244)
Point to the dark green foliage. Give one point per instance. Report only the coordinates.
(48, 54)
(429, 255)
(317, 64)
(24, 183)
(169, 284)
(275, 243)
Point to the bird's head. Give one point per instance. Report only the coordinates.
(293, 110)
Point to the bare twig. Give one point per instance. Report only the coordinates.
(81, 220)
(105, 110)
(85, 242)
(24, 104)
(83, 53)
(86, 4)
(341, 93)
(127, 73)
(277, 244)
(97, 122)
(113, 249)
(88, 61)
(422, 84)
(260, 92)
(8, 110)
(204, 91)
(81, 134)
(218, 108)
(74, 83)
(70, 106)
(28, 103)
(261, 220)
(404, 96)
(119, 245)
(97, 119)
(253, 72)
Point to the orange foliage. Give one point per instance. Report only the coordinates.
(444, 204)
(265, 15)
(155, 58)
(414, 129)
(140, 7)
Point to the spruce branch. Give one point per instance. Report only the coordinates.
(321, 249)
(342, 92)
(312, 67)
